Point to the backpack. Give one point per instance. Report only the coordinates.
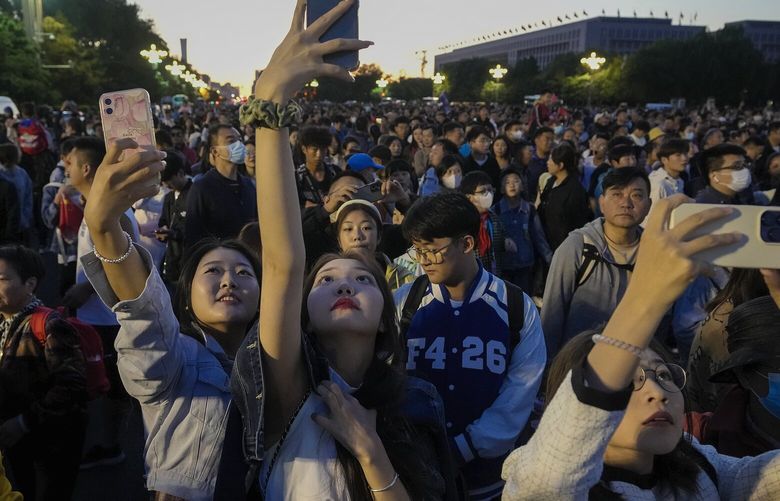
(590, 258)
(32, 137)
(89, 342)
(515, 308)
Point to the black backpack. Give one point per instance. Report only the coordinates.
(515, 307)
(590, 258)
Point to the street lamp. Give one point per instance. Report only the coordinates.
(593, 63)
(498, 73)
(314, 83)
(382, 83)
(175, 69)
(153, 55)
(438, 78)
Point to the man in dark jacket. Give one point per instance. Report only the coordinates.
(9, 213)
(222, 201)
(170, 227)
(42, 385)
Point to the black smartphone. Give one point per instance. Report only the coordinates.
(344, 27)
(370, 192)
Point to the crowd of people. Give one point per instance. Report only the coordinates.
(362, 301)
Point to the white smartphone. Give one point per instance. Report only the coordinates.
(760, 225)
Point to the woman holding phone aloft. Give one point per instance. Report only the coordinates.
(339, 418)
(614, 427)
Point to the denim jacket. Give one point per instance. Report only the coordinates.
(523, 226)
(182, 384)
(240, 467)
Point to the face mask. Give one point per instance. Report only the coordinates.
(484, 201)
(771, 401)
(452, 181)
(517, 135)
(236, 152)
(689, 136)
(640, 141)
(559, 130)
(740, 179)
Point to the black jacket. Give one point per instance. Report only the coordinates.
(563, 209)
(490, 167)
(218, 207)
(174, 216)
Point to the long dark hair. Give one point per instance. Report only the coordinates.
(383, 389)
(677, 470)
(189, 323)
(744, 284)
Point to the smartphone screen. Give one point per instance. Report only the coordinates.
(344, 27)
(128, 114)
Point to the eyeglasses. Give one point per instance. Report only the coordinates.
(736, 166)
(429, 256)
(485, 191)
(670, 377)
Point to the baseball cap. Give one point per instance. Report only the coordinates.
(360, 161)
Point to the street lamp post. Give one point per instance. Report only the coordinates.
(498, 73)
(593, 63)
(175, 69)
(438, 79)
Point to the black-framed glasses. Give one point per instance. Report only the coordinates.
(670, 377)
(430, 256)
(735, 166)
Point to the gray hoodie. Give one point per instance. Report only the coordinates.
(569, 309)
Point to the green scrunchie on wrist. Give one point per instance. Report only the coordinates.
(269, 115)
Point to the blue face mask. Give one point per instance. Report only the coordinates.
(236, 152)
(771, 401)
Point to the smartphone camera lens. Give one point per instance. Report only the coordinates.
(109, 111)
(107, 100)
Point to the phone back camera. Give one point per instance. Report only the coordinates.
(770, 227)
(109, 111)
(107, 100)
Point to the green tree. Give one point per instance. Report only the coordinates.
(411, 88)
(83, 80)
(21, 75)
(365, 82)
(467, 78)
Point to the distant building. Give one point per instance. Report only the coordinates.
(616, 35)
(765, 36)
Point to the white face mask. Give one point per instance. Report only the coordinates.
(640, 141)
(517, 135)
(689, 136)
(740, 179)
(452, 181)
(483, 201)
(236, 152)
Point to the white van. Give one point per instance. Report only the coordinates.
(7, 102)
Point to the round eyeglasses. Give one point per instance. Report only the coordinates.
(670, 377)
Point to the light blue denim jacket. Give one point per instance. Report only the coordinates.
(183, 386)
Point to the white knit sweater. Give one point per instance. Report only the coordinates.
(564, 459)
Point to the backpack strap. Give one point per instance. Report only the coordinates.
(38, 321)
(590, 258)
(515, 303)
(413, 300)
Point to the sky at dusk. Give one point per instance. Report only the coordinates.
(229, 39)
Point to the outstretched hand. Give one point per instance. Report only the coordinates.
(119, 184)
(299, 58)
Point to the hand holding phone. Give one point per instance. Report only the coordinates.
(371, 192)
(761, 226)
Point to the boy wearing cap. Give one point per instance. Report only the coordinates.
(363, 164)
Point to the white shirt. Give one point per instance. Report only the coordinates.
(307, 467)
(662, 185)
(94, 311)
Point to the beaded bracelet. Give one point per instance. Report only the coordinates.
(388, 487)
(121, 258)
(633, 349)
(260, 113)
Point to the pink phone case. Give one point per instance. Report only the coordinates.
(128, 114)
